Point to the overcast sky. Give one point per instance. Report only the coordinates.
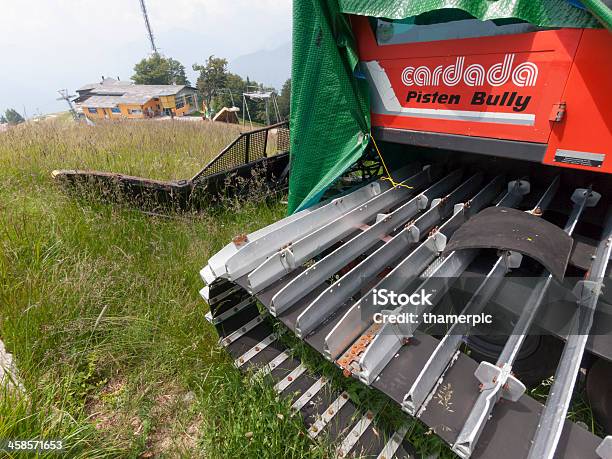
(46, 45)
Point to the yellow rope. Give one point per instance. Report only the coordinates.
(393, 182)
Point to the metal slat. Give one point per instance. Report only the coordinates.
(205, 293)
(391, 337)
(229, 339)
(287, 380)
(248, 355)
(358, 318)
(393, 443)
(328, 415)
(549, 428)
(309, 394)
(604, 450)
(444, 354)
(230, 312)
(233, 260)
(500, 382)
(333, 297)
(300, 251)
(330, 264)
(355, 434)
(272, 365)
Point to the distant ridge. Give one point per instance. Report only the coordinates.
(271, 67)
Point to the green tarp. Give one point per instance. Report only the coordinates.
(330, 120)
(546, 13)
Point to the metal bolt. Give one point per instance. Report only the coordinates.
(289, 378)
(344, 396)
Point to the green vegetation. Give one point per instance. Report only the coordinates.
(220, 88)
(100, 305)
(163, 150)
(158, 69)
(11, 116)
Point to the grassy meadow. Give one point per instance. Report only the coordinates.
(99, 305)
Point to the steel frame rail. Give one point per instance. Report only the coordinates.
(587, 292)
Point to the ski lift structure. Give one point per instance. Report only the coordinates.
(269, 98)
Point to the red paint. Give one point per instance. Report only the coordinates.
(573, 66)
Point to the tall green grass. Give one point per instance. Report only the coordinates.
(99, 304)
(164, 150)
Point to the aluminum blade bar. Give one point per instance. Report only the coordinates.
(338, 293)
(233, 311)
(359, 317)
(234, 261)
(229, 339)
(328, 415)
(309, 394)
(301, 250)
(604, 450)
(390, 337)
(523, 324)
(447, 349)
(355, 434)
(326, 267)
(552, 420)
(502, 384)
(438, 280)
(248, 355)
(287, 380)
(272, 364)
(393, 443)
(216, 264)
(205, 294)
(547, 197)
(448, 346)
(268, 240)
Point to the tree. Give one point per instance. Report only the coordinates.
(12, 116)
(158, 69)
(3, 119)
(284, 100)
(213, 76)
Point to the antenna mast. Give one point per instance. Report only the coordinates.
(66, 96)
(148, 26)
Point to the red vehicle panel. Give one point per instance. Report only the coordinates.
(503, 87)
(582, 139)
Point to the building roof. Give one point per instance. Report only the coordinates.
(110, 92)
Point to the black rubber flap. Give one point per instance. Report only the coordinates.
(511, 229)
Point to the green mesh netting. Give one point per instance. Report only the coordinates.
(545, 13)
(330, 120)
